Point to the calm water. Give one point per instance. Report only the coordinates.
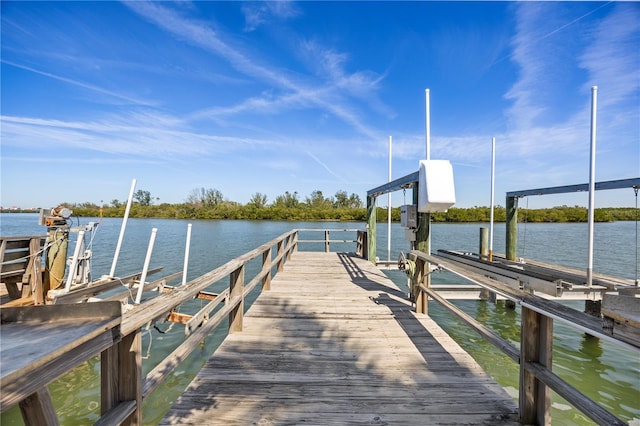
(607, 373)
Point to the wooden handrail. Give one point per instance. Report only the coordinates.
(123, 388)
(536, 333)
(159, 306)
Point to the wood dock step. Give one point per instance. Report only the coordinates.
(336, 342)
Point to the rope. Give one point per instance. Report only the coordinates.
(148, 354)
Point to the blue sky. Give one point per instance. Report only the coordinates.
(302, 96)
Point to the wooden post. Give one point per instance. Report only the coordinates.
(423, 233)
(422, 272)
(37, 409)
(326, 241)
(236, 289)
(371, 229)
(280, 254)
(536, 346)
(423, 244)
(266, 267)
(121, 376)
(34, 287)
(512, 228)
(56, 258)
(292, 245)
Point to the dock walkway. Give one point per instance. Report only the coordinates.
(336, 342)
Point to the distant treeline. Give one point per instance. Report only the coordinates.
(210, 204)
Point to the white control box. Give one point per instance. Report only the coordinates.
(409, 216)
(437, 191)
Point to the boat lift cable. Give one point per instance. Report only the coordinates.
(635, 189)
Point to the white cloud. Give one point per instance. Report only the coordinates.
(257, 13)
(140, 134)
(201, 35)
(90, 87)
(613, 59)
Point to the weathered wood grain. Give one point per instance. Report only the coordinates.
(335, 342)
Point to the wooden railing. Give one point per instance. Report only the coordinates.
(536, 341)
(123, 388)
(360, 238)
(123, 359)
(20, 264)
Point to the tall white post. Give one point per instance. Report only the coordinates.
(493, 173)
(124, 226)
(389, 207)
(428, 138)
(74, 260)
(592, 183)
(186, 255)
(145, 268)
(428, 122)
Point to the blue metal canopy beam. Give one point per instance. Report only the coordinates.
(407, 181)
(610, 184)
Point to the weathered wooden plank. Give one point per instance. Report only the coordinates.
(21, 242)
(35, 338)
(334, 341)
(623, 308)
(282, 416)
(37, 409)
(117, 414)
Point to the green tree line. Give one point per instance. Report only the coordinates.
(210, 203)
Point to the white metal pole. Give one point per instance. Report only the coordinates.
(493, 173)
(592, 182)
(389, 207)
(145, 268)
(74, 261)
(428, 122)
(186, 255)
(124, 226)
(428, 138)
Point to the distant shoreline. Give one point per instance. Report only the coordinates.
(233, 211)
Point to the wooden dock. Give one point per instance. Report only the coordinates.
(336, 342)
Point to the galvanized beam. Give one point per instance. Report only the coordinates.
(611, 184)
(407, 181)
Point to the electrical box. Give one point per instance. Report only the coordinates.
(410, 234)
(408, 216)
(437, 191)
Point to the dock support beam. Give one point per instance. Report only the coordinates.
(236, 289)
(266, 268)
(37, 409)
(371, 229)
(121, 377)
(423, 233)
(423, 244)
(536, 347)
(512, 228)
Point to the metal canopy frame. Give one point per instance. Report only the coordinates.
(408, 181)
(610, 184)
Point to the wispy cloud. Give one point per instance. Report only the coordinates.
(143, 134)
(613, 60)
(327, 168)
(83, 85)
(257, 13)
(609, 54)
(202, 35)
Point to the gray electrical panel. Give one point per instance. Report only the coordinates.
(409, 216)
